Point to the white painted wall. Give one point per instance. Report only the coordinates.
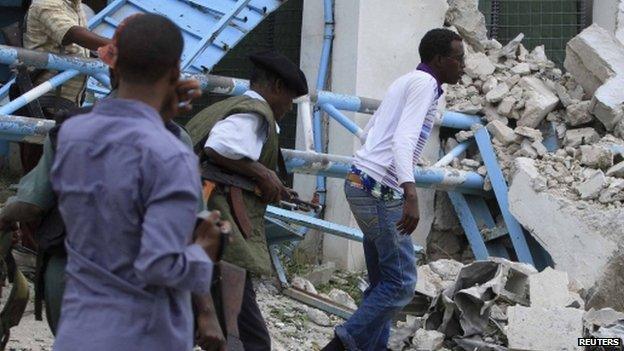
(375, 43)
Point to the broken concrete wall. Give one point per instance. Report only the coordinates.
(583, 238)
(596, 60)
(609, 14)
(469, 21)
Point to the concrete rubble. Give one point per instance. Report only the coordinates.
(502, 305)
(558, 139)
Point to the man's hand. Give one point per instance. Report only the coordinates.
(270, 186)
(208, 235)
(180, 101)
(209, 335)
(409, 220)
(287, 194)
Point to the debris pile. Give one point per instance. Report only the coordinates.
(532, 109)
(558, 139)
(500, 305)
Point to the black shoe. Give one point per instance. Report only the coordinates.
(334, 345)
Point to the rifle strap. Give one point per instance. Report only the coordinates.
(239, 211)
(15, 305)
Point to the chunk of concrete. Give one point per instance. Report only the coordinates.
(563, 94)
(319, 317)
(608, 101)
(469, 21)
(510, 50)
(478, 65)
(596, 157)
(539, 103)
(593, 57)
(464, 135)
(427, 340)
(501, 132)
(506, 106)
(304, 285)
(428, 282)
(538, 55)
(617, 170)
(578, 113)
(613, 193)
(446, 269)
(549, 288)
(322, 274)
(564, 231)
(534, 328)
(591, 188)
(526, 150)
(497, 94)
(602, 317)
(533, 134)
(470, 163)
(539, 147)
(489, 84)
(522, 69)
(580, 136)
(341, 297)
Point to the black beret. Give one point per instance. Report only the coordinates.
(284, 68)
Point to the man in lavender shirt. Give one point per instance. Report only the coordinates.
(127, 189)
(381, 189)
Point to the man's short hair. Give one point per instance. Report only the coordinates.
(437, 42)
(148, 47)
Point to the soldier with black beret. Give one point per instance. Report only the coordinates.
(240, 135)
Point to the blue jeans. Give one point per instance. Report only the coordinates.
(391, 265)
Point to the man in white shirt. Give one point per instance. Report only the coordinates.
(240, 135)
(381, 190)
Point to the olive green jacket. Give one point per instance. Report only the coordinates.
(251, 254)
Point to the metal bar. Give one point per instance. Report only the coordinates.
(455, 152)
(113, 22)
(10, 55)
(318, 302)
(340, 230)
(458, 120)
(304, 111)
(4, 90)
(338, 166)
(470, 225)
(99, 17)
(501, 192)
(344, 121)
(24, 129)
(484, 218)
(216, 13)
(321, 82)
(104, 79)
(218, 28)
(210, 83)
(37, 92)
(220, 85)
(279, 268)
(346, 102)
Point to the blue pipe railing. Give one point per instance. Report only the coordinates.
(321, 81)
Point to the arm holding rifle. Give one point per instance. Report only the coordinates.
(271, 188)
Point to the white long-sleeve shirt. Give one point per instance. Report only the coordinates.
(241, 135)
(398, 131)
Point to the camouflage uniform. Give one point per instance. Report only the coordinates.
(47, 23)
